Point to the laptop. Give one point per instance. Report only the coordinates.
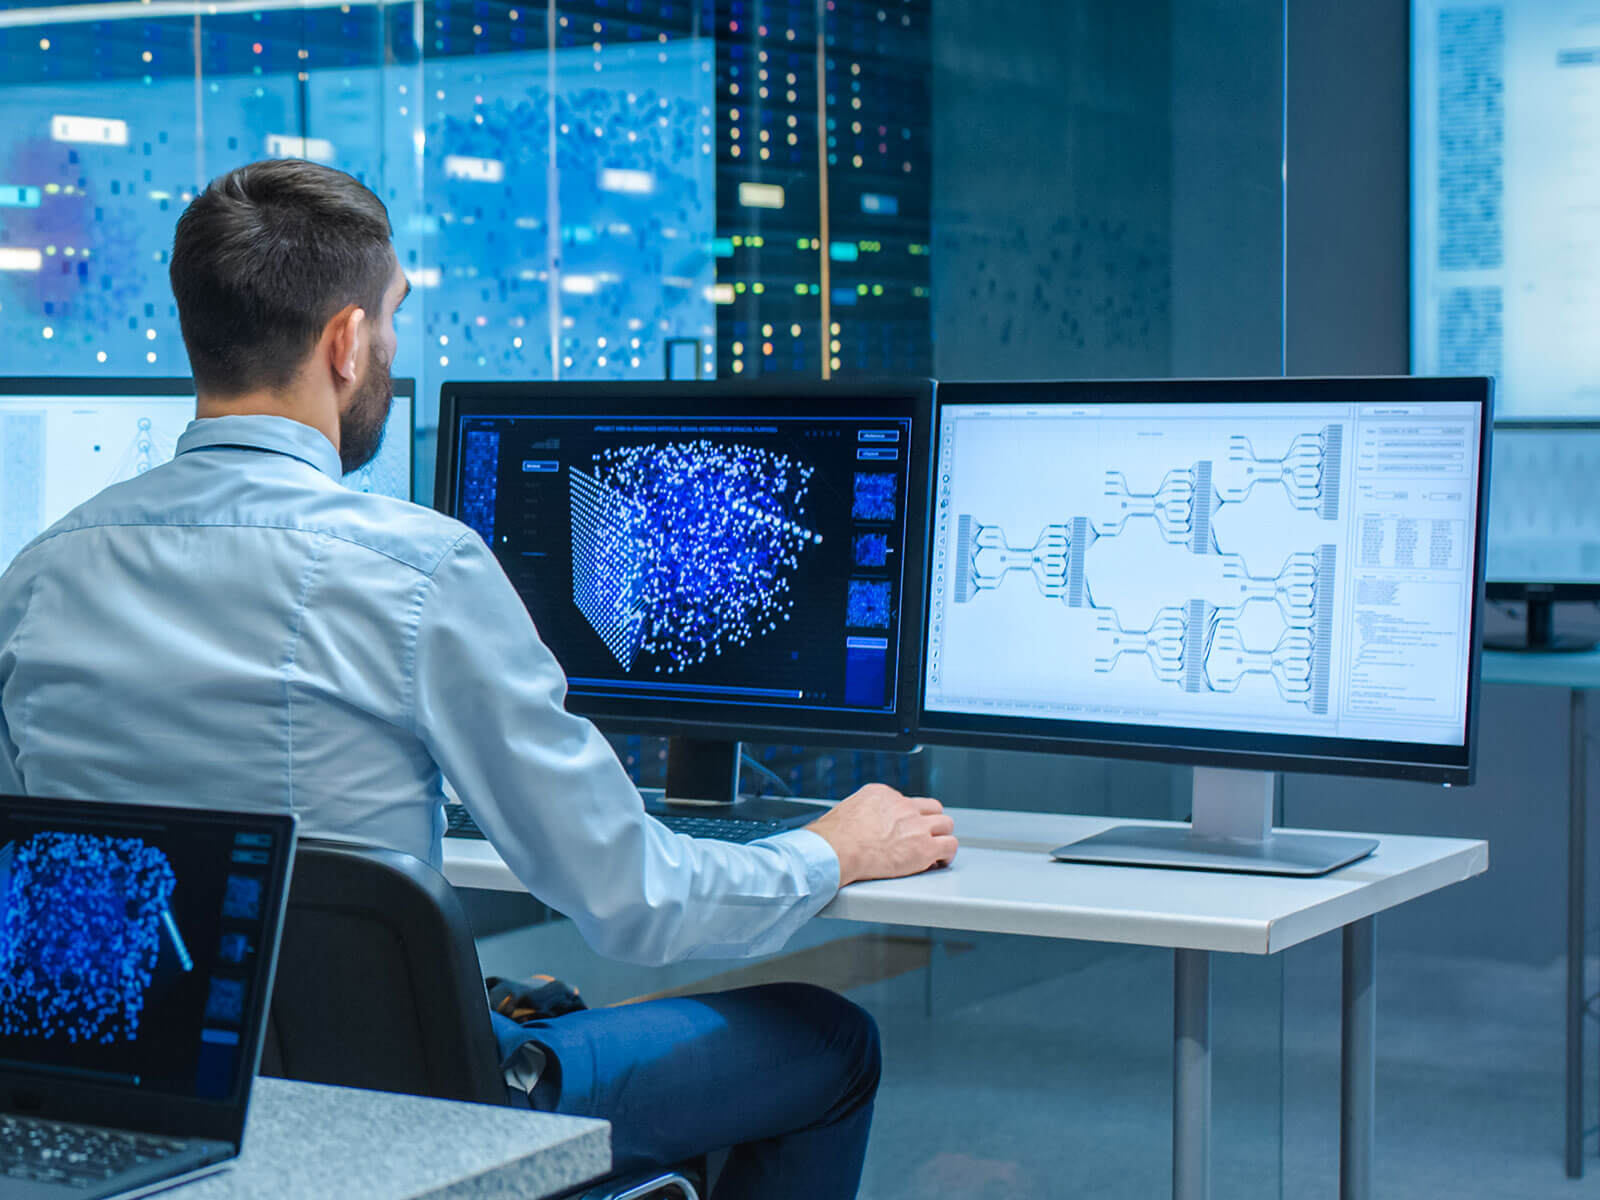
(137, 945)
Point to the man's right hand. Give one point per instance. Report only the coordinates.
(880, 834)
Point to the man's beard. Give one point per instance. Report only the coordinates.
(362, 423)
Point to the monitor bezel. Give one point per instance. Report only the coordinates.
(1556, 590)
(732, 398)
(1226, 748)
(163, 1113)
(64, 386)
(407, 387)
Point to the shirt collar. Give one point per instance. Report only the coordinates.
(257, 431)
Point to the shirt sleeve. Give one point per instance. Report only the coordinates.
(548, 792)
(10, 776)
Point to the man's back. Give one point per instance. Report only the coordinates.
(237, 628)
(278, 675)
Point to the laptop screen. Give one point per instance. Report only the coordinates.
(136, 943)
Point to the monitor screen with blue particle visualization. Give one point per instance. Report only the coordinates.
(136, 944)
(1279, 574)
(697, 556)
(63, 440)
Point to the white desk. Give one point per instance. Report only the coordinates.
(1004, 882)
(1578, 673)
(304, 1139)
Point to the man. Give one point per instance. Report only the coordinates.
(236, 627)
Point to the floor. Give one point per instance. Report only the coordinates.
(1044, 1068)
(1471, 1079)
(1061, 1088)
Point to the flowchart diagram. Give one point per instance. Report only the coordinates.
(1197, 643)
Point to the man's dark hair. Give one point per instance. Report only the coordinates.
(261, 262)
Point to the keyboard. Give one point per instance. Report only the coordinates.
(74, 1155)
(459, 823)
(723, 829)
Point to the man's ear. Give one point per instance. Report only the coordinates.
(345, 334)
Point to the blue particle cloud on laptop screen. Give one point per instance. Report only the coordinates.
(128, 955)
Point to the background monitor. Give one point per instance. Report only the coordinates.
(62, 440)
(1544, 523)
(706, 560)
(393, 471)
(1267, 574)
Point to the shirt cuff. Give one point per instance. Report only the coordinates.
(821, 863)
(522, 1062)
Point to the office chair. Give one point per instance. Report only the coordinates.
(379, 987)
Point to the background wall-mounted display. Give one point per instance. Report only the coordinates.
(1505, 172)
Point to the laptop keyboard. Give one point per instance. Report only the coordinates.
(75, 1155)
(459, 823)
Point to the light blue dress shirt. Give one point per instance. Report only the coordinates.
(236, 628)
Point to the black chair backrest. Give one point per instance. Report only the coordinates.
(378, 982)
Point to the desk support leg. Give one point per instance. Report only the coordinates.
(1357, 1066)
(1191, 1075)
(1577, 863)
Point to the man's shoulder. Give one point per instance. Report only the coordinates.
(292, 500)
(408, 533)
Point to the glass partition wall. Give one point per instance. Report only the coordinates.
(632, 189)
(605, 190)
(1107, 203)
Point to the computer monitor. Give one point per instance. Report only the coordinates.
(1263, 575)
(393, 471)
(137, 948)
(1544, 524)
(706, 560)
(64, 439)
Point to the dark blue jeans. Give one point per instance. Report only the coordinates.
(783, 1074)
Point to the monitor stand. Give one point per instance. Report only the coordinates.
(1540, 637)
(703, 779)
(1231, 831)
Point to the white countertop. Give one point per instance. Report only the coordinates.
(1003, 881)
(305, 1139)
